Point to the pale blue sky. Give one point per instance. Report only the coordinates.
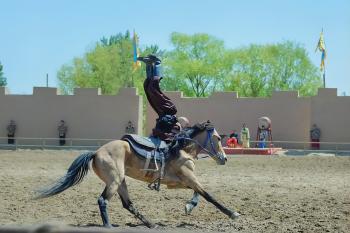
(38, 36)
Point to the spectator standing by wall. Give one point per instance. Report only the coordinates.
(315, 135)
(62, 131)
(11, 131)
(245, 136)
(130, 129)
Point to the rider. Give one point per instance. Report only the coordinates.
(167, 124)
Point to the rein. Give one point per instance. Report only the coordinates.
(208, 139)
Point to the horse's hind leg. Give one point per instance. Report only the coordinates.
(103, 200)
(111, 174)
(127, 204)
(192, 203)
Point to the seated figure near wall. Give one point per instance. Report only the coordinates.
(232, 141)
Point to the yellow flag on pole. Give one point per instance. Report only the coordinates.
(321, 46)
(135, 41)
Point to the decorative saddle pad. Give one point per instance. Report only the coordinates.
(147, 147)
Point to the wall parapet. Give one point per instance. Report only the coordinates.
(4, 91)
(87, 91)
(128, 91)
(327, 92)
(45, 91)
(285, 94)
(53, 91)
(224, 95)
(87, 113)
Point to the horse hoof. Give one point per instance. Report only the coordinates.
(188, 209)
(235, 215)
(152, 226)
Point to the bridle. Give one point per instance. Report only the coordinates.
(212, 152)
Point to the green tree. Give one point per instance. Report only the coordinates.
(109, 66)
(196, 64)
(258, 70)
(152, 49)
(3, 81)
(115, 39)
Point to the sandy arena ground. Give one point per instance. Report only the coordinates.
(273, 194)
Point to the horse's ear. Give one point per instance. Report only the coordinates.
(199, 126)
(208, 125)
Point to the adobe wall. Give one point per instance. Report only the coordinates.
(291, 115)
(91, 115)
(331, 113)
(88, 114)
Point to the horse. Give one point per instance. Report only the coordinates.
(116, 159)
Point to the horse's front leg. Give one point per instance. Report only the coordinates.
(232, 214)
(189, 179)
(192, 203)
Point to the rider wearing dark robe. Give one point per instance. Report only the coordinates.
(166, 124)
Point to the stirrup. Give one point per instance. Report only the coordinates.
(154, 185)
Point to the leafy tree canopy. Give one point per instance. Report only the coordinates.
(3, 81)
(198, 64)
(258, 70)
(109, 66)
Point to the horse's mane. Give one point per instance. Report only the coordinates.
(198, 128)
(180, 141)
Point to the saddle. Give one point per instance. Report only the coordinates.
(150, 149)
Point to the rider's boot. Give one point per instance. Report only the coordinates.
(149, 59)
(153, 65)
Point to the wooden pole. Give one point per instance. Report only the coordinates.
(324, 77)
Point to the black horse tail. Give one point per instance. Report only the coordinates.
(75, 174)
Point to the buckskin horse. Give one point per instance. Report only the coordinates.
(117, 159)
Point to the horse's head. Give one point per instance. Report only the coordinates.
(205, 138)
